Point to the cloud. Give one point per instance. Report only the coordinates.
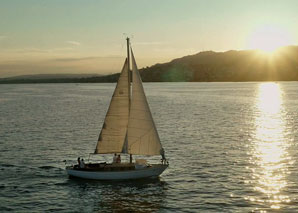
(73, 59)
(88, 58)
(149, 43)
(75, 43)
(33, 50)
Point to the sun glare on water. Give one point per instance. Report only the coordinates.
(268, 38)
(270, 158)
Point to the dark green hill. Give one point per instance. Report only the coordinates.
(56, 79)
(248, 65)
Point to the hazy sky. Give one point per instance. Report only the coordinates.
(76, 36)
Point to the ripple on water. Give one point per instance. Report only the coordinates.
(227, 151)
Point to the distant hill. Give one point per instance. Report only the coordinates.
(246, 65)
(59, 78)
(52, 76)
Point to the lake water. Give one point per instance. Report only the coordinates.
(232, 147)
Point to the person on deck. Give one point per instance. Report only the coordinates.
(163, 157)
(82, 164)
(79, 162)
(115, 158)
(118, 159)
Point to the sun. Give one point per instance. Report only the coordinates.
(268, 38)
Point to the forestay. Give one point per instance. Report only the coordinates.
(114, 129)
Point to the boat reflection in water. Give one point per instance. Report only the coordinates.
(143, 195)
(270, 158)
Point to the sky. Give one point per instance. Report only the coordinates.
(76, 36)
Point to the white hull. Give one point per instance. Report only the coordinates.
(154, 171)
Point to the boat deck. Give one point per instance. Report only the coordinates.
(106, 167)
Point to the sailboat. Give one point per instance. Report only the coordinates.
(128, 128)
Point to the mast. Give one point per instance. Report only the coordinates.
(127, 40)
(129, 86)
(128, 65)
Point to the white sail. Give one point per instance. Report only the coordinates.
(114, 129)
(142, 136)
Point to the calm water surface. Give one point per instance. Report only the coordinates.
(232, 147)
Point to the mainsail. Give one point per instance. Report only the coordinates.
(114, 129)
(142, 136)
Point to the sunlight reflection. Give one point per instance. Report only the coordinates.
(269, 151)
